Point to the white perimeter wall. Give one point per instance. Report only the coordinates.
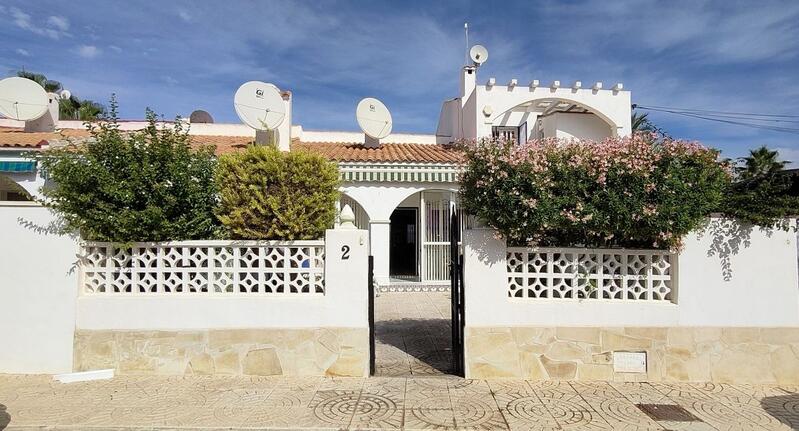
(755, 286)
(344, 304)
(38, 288)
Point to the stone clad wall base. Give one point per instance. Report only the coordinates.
(262, 352)
(676, 354)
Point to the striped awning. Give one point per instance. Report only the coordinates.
(17, 166)
(411, 173)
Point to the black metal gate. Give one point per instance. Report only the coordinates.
(371, 292)
(456, 291)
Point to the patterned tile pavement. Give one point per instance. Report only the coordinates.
(412, 334)
(390, 403)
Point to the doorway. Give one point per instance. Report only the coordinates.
(403, 244)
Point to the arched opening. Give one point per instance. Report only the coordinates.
(554, 117)
(361, 216)
(11, 191)
(413, 333)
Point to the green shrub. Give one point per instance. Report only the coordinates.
(122, 187)
(269, 194)
(620, 192)
(761, 194)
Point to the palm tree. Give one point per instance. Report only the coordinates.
(49, 85)
(68, 109)
(76, 109)
(760, 163)
(640, 123)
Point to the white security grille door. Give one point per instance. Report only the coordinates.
(436, 235)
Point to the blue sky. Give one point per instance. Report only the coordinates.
(179, 56)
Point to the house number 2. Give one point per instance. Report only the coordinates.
(345, 252)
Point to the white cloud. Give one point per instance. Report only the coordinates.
(184, 15)
(24, 21)
(704, 31)
(114, 48)
(59, 22)
(170, 80)
(88, 51)
(23, 52)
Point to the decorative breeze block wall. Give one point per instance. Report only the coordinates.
(204, 267)
(576, 273)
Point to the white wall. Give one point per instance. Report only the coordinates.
(344, 304)
(763, 290)
(574, 125)
(38, 288)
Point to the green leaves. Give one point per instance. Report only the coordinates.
(267, 194)
(147, 185)
(620, 192)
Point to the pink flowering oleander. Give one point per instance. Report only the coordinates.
(634, 191)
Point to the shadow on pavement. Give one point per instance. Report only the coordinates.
(427, 340)
(5, 418)
(784, 408)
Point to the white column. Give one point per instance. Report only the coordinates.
(379, 242)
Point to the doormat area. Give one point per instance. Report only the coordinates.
(667, 413)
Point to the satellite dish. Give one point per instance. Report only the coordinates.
(478, 54)
(260, 105)
(200, 116)
(374, 118)
(22, 99)
(65, 94)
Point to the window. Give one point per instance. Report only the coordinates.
(505, 132)
(518, 134)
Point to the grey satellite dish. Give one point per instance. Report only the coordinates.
(22, 99)
(478, 54)
(200, 116)
(374, 119)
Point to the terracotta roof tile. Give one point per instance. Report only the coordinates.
(413, 153)
(224, 144)
(16, 138)
(11, 137)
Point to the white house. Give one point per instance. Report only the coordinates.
(403, 190)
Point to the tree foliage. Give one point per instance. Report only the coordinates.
(627, 192)
(148, 185)
(269, 194)
(72, 108)
(760, 193)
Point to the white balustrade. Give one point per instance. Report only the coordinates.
(590, 274)
(204, 267)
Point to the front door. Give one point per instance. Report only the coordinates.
(402, 249)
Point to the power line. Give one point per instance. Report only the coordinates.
(726, 117)
(708, 111)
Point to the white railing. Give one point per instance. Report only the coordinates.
(575, 273)
(204, 267)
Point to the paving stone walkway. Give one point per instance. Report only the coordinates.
(215, 403)
(412, 334)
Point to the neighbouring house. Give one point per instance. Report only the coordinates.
(403, 190)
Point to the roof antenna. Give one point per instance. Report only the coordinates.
(466, 30)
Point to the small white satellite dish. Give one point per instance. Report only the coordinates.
(22, 99)
(374, 118)
(478, 54)
(65, 94)
(260, 105)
